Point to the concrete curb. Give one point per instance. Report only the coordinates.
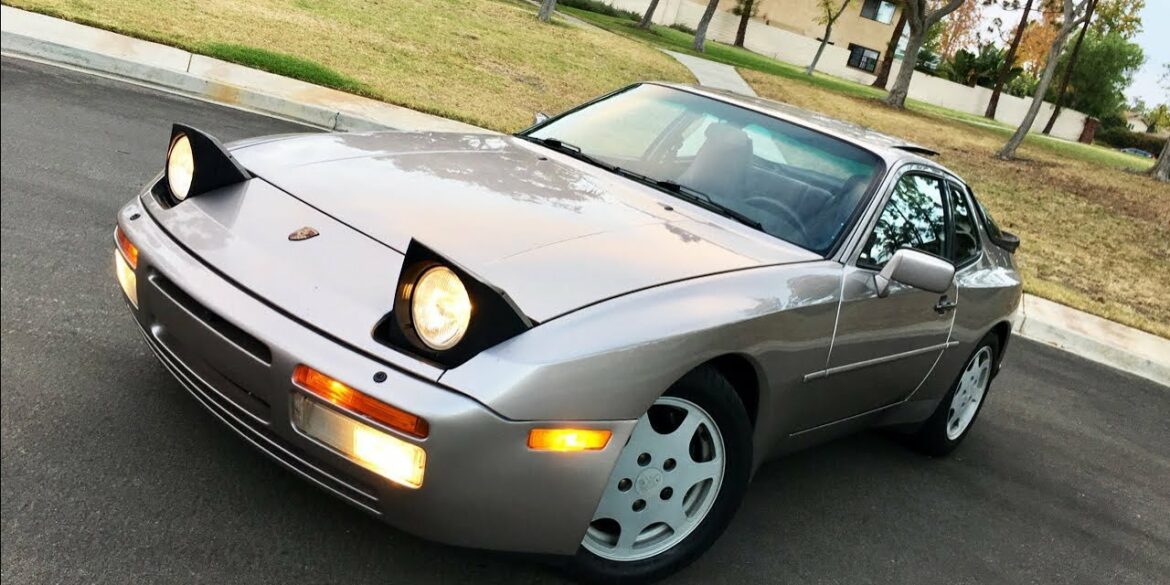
(1096, 339)
(62, 42)
(59, 41)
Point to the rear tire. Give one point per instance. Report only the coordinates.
(691, 453)
(960, 407)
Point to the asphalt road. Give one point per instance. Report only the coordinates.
(113, 474)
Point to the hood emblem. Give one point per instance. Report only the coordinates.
(303, 234)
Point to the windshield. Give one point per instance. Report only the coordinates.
(794, 183)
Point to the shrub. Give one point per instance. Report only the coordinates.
(683, 28)
(1112, 121)
(1123, 138)
(601, 8)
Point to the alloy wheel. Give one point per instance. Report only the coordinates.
(666, 480)
(969, 393)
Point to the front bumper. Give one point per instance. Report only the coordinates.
(483, 487)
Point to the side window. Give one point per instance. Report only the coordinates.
(913, 218)
(966, 246)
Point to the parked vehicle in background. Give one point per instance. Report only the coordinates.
(1137, 152)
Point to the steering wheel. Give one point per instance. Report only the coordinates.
(786, 214)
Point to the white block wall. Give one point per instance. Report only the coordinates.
(799, 50)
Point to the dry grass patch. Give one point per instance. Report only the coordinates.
(1095, 237)
(487, 62)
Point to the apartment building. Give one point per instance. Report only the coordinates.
(863, 29)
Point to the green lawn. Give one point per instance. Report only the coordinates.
(486, 62)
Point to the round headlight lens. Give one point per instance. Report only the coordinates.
(180, 167)
(440, 308)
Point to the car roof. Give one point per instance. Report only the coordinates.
(890, 148)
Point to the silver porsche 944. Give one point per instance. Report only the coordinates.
(580, 340)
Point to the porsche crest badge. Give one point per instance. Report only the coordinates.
(303, 234)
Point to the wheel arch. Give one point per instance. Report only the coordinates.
(744, 375)
(1003, 333)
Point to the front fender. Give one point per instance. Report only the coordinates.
(613, 359)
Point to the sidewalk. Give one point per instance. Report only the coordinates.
(65, 43)
(712, 74)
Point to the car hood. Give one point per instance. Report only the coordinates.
(553, 232)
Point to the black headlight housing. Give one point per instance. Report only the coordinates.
(495, 318)
(213, 167)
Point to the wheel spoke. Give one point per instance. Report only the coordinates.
(612, 506)
(647, 439)
(630, 532)
(693, 473)
(672, 514)
(686, 430)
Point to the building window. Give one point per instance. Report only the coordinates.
(879, 10)
(863, 58)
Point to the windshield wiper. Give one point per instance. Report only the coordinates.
(678, 190)
(695, 196)
(572, 150)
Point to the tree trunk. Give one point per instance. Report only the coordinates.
(744, 18)
(883, 72)
(897, 97)
(1008, 152)
(821, 49)
(546, 10)
(1161, 169)
(1072, 62)
(701, 30)
(1010, 60)
(645, 22)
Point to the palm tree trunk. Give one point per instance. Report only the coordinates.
(645, 22)
(1009, 61)
(1008, 152)
(701, 30)
(883, 73)
(546, 10)
(821, 49)
(744, 18)
(897, 97)
(1068, 69)
(1161, 169)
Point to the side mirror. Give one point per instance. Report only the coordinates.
(916, 269)
(1006, 240)
(539, 118)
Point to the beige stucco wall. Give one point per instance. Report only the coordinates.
(801, 17)
(798, 49)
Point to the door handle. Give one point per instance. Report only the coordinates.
(944, 305)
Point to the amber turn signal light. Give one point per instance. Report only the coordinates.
(128, 249)
(568, 439)
(338, 393)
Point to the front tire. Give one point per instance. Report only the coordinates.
(956, 412)
(676, 485)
